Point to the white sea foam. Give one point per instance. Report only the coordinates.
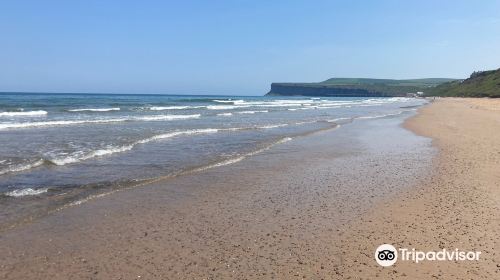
(328, 107)
(228, 101)
(306, 122)
(273, 126)
(96, 121)
(252, 112)
(94, 109)
(54, 123)
(111, 149)
(21, 167)
(242, 157)
(305, 103)
(339, 119)
(178, 133)
(380, 116)
(25, 192)
(23, 114)
(225, 114)
(81, 156)
(167, 117)
(225, 107)
(311, 103)
(162, 108)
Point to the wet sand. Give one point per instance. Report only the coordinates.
(315, 207)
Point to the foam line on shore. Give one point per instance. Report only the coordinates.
(26, 192)
(198, 169)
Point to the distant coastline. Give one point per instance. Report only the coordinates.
(479, 84)
(358, 87)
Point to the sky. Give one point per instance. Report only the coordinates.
(238, 47)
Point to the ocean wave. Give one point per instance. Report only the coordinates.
(96, 121)
(252, 112)
(339, 119)
(94, 110)
(273, 126)
(228, 101)
(199, 169)
(309, 103)
(273, 103)
(26, 192)
(21, 167)
(113, 149)
(330, 107)
(380, 116)
(306, 122)
(312, 103)
(242, 157)
(82, 156)
(166, 117)
(162, 108)
(23, 114)
(225, 107)
(225, 114)
(79, 156)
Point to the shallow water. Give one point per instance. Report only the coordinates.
(63, 147)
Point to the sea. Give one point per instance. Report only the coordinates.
(61, 149)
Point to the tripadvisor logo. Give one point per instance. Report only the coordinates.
(387, 255)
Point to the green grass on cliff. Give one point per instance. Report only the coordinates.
(479, 84)
(387, 87)
(419, 83)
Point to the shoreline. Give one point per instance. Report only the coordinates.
(298, 210)
(280, 213)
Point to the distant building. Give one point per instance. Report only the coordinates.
(417, 94)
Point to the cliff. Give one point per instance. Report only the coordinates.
(356, 87)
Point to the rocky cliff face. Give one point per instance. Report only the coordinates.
(319, 90)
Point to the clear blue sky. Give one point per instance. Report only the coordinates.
(238, 47)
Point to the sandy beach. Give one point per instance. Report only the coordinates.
(316, 207)
(457, 207)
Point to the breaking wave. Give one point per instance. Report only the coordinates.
(96, 121)
(162, 108)
(94, 110)
(23, 114)
(21, 167)
(252, 112)
(26, 192)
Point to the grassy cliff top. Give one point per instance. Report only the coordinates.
(479, 84)
(429, 82)
(389, 87)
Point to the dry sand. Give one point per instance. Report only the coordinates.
(300, 210)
